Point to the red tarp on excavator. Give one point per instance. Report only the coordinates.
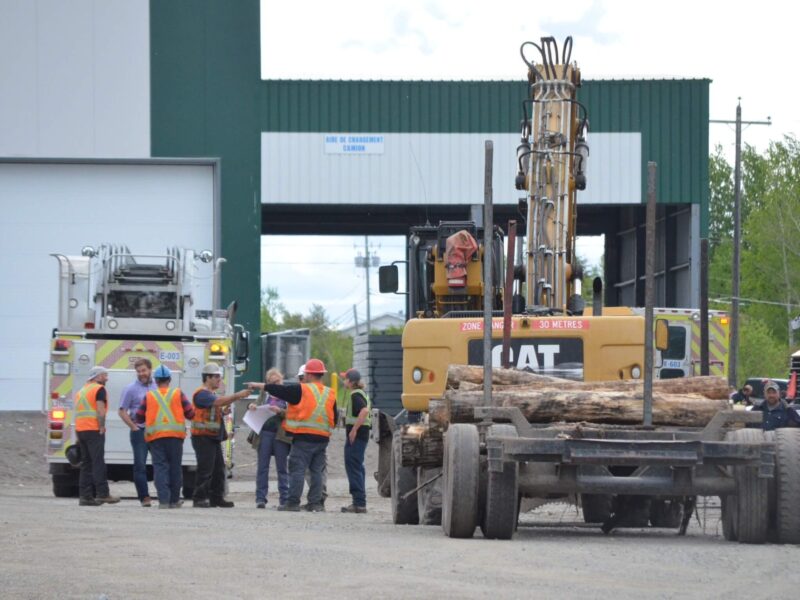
(459, 249)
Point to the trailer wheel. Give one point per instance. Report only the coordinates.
(502, 503)
(65, 485)
(429, 498)
(461, 474)
(729, 512)
(403, 480)
(596, 507)
(787, 485)
(751, 506)
(666, 513)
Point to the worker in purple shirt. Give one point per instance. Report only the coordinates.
(132, 397)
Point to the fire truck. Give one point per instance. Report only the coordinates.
(114, 308)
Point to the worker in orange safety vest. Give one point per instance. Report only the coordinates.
(91, 406)
(310, 417)
(164, 413)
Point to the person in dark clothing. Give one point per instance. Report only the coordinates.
(208, 433)
(358, 420)
(310, 417)
(743, 396)
(776, 413)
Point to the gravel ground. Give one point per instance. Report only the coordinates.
(61, 550)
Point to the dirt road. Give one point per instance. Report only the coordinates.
(55, 549)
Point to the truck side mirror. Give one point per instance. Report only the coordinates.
(388, 280)
(662, 334)
(241, 344)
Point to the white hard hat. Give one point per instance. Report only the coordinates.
(301, 372)
(212, 369)
(96, 371)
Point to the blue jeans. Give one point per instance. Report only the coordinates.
(356, 474)
(167, 456)
(139, 447)
(269, 446)
(306, 455)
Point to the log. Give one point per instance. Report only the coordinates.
(458, 373)
(714, 388)
(548, 405)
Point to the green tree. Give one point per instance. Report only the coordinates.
(762, 355)
(271, 310)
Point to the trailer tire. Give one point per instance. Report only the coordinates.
(429, 498)
(461, 475)
(666, 513)
(596, 507)
(383, 474)
(403, 480)
(787, 485)
(750, 508)
(502, 501)
(729, 511)
(65, 485)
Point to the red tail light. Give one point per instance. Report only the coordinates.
(61, 345)
(88, 325)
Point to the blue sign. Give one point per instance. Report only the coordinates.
(353, 143)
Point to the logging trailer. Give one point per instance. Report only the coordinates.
(469, 464)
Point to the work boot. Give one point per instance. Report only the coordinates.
(108, 499)
(177, 504)
(318, 507)
(289, 507)
(202, 503)
(261, 505)
(88, 502)
(222, 503)
(352, 508)
(147, 502)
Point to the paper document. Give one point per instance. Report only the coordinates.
(256, 418)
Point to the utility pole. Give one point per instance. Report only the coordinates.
(737, 231)
(366, 270)
(367, 261)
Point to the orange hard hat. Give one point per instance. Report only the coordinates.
(315, 366)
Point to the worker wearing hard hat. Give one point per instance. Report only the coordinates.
(310, 418)
(301, 373)
(91, 406)
(208, 433)
(164, 413)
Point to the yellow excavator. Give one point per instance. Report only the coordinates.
(470, 473)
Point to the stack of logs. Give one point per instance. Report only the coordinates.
(685, 402)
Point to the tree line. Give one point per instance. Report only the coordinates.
(769, 252)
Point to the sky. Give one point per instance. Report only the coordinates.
(745, 48)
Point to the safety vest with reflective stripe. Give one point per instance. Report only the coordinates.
(314, 413)
(164, 417)
(349, 419)
(206, 421)
(86, 408)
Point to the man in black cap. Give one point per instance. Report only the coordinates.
(358, 420)
(776, 412)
